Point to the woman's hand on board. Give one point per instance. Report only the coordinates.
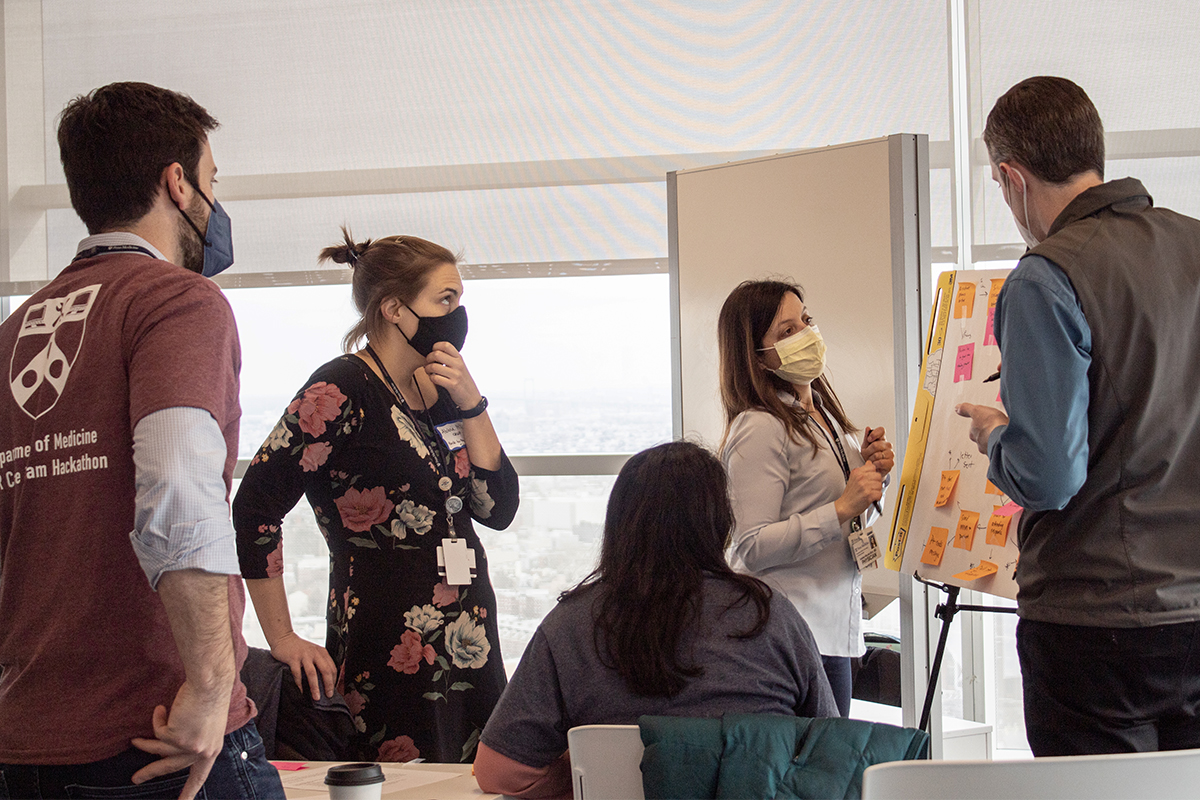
(446, 368)
(877, 450)
(864, 487)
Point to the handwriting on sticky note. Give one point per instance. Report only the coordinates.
(997, 285)
(935, 547)
(989, 332)
(949, 480)
(964, 301)
(991, 488)
(997, 529)
(964, 535)
(963, 362)
(984, 569)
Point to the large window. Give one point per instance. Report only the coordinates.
(535, 139)
(575, 365)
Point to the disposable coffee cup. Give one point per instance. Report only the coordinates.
(355, 782)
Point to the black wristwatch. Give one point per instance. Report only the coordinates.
(480, 407)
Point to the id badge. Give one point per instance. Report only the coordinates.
(452, 435)
(865, 549)
(456, 561)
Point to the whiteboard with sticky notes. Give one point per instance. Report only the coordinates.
(950, 524)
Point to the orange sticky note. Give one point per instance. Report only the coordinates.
(964, 536)
(991, 489)
(935, 547)
(997, 285)
(984, 569)
(290, 766)
(949, 481)
(964, 301)
(997, 529)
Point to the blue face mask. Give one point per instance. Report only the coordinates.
(218, 240)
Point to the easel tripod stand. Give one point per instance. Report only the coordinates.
(945, 612)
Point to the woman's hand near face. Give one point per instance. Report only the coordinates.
(864, 487)
(878, 451)
(445, 368)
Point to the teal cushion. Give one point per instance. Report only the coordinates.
(761, 755)
(684, 756)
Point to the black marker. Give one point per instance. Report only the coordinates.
(995, 376)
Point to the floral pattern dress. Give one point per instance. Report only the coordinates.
(419, 660)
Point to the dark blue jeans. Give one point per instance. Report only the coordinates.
(837, 669)
(241, 770)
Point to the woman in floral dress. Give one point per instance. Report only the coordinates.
(393, 447)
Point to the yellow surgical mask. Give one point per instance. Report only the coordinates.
(801, 356)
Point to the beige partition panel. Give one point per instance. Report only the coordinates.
(850, 224)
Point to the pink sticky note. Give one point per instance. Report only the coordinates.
(963, 362)
(290, 766)
(1007, 510)
(989, 334)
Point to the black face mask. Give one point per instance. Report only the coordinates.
(450, 328)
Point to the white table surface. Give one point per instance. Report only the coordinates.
(453, 782)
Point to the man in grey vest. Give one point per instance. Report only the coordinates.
(1099, 333)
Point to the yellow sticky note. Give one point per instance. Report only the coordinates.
(949, 481)
(997, 529)
(984, 569)
(991, 489)
(997, 285)
(964, 301)
(964, 536)
(935, 547)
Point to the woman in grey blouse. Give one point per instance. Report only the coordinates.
(801, 482)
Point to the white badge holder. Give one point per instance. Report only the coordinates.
(865, 549)
(456, 562)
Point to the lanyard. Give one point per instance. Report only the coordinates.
(105, 249)
(454, 504)
(840, 454)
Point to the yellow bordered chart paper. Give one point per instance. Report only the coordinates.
(943, 479)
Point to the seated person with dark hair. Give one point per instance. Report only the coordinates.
(662, 626)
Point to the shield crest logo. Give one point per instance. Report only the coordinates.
(50, 338)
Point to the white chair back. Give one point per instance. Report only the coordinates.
(1127, 776)
(606, 762)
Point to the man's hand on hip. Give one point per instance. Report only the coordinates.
(191, 736)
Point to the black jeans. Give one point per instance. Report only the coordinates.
(241, 770)
(1110, 690)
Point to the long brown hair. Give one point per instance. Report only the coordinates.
(745, 319)
(394, 266)
(668, 523)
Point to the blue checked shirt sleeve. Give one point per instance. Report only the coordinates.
(181, 519)
(1040, 458)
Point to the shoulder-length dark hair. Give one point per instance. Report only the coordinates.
(746, 384)
(669, 521)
